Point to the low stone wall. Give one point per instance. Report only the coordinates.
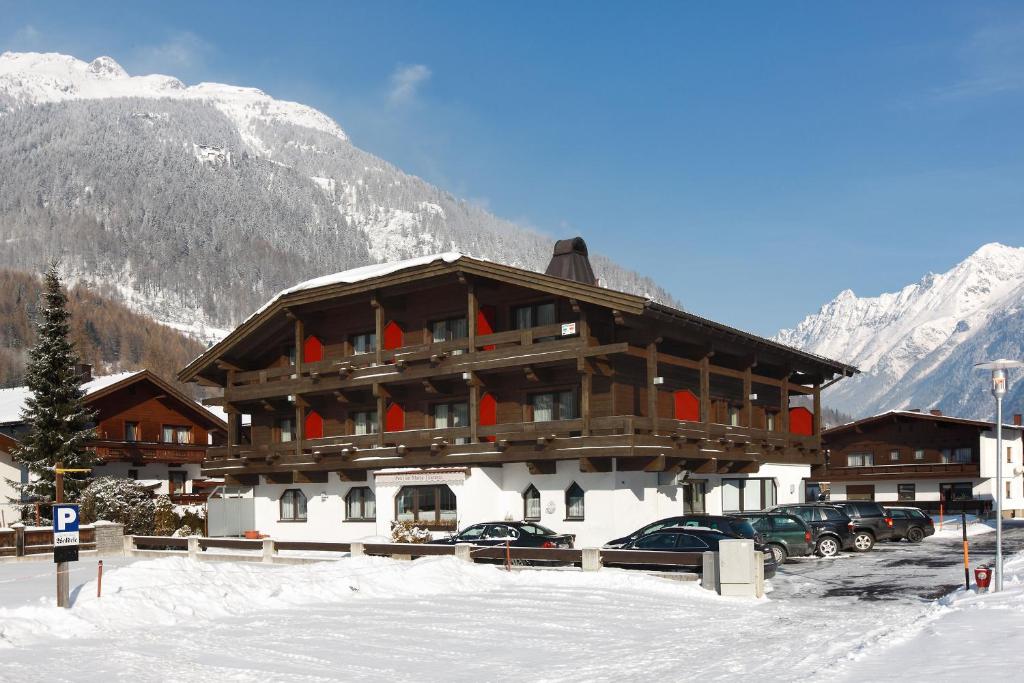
(109, 538)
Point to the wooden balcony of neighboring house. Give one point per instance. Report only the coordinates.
(922, 470)
(142, 452)
(534, 346)
(636, 442)
(189, 498)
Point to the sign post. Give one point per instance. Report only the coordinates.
(65, 548)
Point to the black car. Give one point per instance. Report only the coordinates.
(694, 539)
(872, 523)
(910, 523)
(736, 527)
(516, 534)
(833, 529)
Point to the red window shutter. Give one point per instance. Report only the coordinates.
(394, 418)
(392, 336)
(801, 421)
(312, 350)
(485, 323)
(687, 405)
(314, 425)
(488, 413)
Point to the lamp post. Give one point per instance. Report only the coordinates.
(999, 368)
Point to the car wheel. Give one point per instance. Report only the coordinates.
(863, 542)
(779, 553)
(915, 535)
(827, 547)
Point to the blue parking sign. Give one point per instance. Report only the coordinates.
(65, 533)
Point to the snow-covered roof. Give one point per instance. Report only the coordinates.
(362, 273)
(921, 415)
(13, 400)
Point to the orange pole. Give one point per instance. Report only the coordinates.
(941, 509)
(508, 557)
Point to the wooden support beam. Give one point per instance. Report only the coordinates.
(784, 406)
(586, 390)
(658, 463)
(378, 326)
(542, 467)
(472, 311)
(279, 478)
(300, 337)
(230, 367)
(241, 479)
(595, 464)
(709, 466)
(652, 389)
(817, 413)
(310, 476)
(352, 475)
(705, 388)
(474, 408)
(381, 407)
(748, 404)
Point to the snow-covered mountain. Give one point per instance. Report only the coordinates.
(917, 347)
(197, 203)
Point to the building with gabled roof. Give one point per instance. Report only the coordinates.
(448, 389)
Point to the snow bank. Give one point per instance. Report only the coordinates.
(177, 591)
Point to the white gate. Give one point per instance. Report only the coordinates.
(230, 511)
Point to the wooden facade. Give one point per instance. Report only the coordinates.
(542, 368)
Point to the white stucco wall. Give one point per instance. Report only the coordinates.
(151, 473)
(616, 503)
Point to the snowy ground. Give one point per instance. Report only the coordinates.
(865, 617)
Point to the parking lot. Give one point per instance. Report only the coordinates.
(893, 571)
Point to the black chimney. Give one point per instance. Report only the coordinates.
(570, 261)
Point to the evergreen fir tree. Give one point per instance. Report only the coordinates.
(59, 422)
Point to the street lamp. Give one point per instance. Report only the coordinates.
(999, 368)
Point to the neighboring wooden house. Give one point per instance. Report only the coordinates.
(146, 430)
(9, 471)
(446, 390)
(914, 458)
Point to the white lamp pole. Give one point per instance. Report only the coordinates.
(999, 368)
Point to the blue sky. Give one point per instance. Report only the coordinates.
(754, 158)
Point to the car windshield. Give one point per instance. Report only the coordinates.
(743, 527)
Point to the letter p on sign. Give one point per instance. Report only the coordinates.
(65, 518)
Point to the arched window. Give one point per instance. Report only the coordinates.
(574, 502)
(293, 506)
(312, 350)
(360, 504)
(531, 503)
(314, 425)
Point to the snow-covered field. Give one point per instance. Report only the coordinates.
(440, 618)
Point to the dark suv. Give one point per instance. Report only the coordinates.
(728, 524)
(871, 522)
(833, 529)
(910, 523)
(786, 535)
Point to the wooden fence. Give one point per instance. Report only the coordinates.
(38, 540)
(588, 558)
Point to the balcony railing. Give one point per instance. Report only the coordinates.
(398, 442)
(922, 469)
(138, 451)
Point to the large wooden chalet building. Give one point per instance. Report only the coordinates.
(449, 390)
(924, 459)
(146, 429)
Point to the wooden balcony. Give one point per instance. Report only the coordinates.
(140, 453)
(417, 363)
(635, 441)
(923, 470)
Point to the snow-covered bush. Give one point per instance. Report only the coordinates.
(408, 532)
(165, 520)
(185, 530)
(119, 500)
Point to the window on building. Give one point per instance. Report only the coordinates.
(894, 455)
(813, 492)
(860, 492)
(919, 454)
(432, 506)
(364, 343)
(293, 506)
(531, 503)
(693, 496)
(176, 434)
(450, 415)
(285, 429)
(290, 352)
(449, 330)
(1008, 490)
(534, 315)
(769, 421)
(364, 422)
(961, 490)
(906, 491)
(743, 495)
(957, 456)
(860, 460)
(132, 431)
(1009, 454)
(176, 481)
(574, 508)
(734, 415)
(360, 504)
(556, 405)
